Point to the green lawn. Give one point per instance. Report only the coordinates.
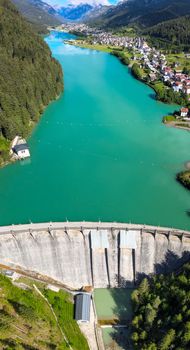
(63, 307)
(27, 322)
(125, 31)
(98, 47)
(169, 118)
(179, 58)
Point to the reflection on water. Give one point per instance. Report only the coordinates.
(26, 161)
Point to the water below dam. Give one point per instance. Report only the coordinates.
(113, 304)
(100, 152)
(116, 339)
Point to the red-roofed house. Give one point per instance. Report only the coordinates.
(177, 86)
(184, 112)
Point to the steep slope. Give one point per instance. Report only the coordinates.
(96, 12)
(27, 321)
(22, 321)
(162, 315)
(174, 33)
(38, 13)
(144, 13)
(29, 77)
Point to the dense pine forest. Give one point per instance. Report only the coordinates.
(29, 76)
(143, 13)
(171, 34)
(162, 312)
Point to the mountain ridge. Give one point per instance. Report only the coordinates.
(74, 13)
(143, 13)
(78, 12)
(38, 13)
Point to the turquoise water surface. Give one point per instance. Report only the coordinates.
(100, 152)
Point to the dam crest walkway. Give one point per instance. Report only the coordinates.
(88, 225)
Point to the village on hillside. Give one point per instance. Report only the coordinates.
(148, 58)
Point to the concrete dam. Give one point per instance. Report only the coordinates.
(97, 254)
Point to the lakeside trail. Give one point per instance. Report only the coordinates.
(54, 315)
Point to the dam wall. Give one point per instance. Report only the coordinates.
(98, 254)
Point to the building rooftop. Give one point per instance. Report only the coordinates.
(128, 239)
(20, 147)
(99, 239)
(82, 307)
(184, 109)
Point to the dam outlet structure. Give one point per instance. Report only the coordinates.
(93, 254)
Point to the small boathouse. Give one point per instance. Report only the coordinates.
(22, 151)
(19, 148)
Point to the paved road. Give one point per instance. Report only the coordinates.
(85, 225)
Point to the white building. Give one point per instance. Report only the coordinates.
(22, 150)
(184, 112)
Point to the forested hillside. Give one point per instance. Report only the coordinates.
(162, 312)
(166, 21)
(143, 13)
(174, 33)
(29, 77)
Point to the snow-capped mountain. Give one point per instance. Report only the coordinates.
(74, 13)
(75, 3)
(75, 10)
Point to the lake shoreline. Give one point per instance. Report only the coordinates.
(10, 159)
(183, 178)
(108, 50)
(173, 125)
(94, 148)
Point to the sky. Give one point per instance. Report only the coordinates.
(65, 2)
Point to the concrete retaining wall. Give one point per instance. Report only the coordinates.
(102, 255)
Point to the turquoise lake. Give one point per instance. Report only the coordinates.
(100, 152)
